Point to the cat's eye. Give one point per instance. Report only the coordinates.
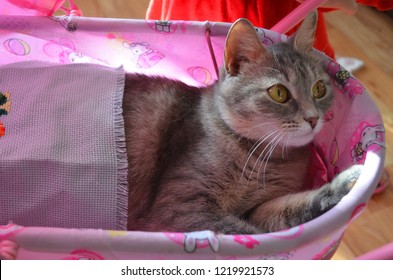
(279, 93)
(319, 90)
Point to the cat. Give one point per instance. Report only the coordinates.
(231, 158)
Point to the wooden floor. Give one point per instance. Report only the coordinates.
(368, 35)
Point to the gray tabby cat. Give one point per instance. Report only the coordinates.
(233, 157)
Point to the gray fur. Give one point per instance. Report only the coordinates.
(228, 158)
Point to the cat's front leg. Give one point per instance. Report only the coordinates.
(329, 195)
(294, 209)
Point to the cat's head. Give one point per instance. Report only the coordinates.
(281, 92)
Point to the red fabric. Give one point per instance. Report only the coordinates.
(259, 12)
(262, 13)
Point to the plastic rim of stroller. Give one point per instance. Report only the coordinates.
(108, 42)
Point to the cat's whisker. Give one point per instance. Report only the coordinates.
(265, 155)
(264, 137)
(253, 149)
(265, 159)
(268, 156)
(256, 145)
(259, 125)
(285, 146)
(261, 154)
(247, 122)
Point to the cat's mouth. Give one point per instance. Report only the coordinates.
(304, 134)
(295, 136)
(287, 134)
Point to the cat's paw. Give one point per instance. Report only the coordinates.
(345, 181)
(332, 193)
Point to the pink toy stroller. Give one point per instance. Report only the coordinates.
(353, 133)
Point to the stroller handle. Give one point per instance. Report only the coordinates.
(297, 15)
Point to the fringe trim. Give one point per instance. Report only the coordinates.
(121, 153)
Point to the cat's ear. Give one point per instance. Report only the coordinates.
(242, 45)
(303, 39)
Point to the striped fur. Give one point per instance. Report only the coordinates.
(228, 158)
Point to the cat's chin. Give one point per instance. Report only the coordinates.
(300, 140)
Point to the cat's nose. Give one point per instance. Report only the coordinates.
(312, 121)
